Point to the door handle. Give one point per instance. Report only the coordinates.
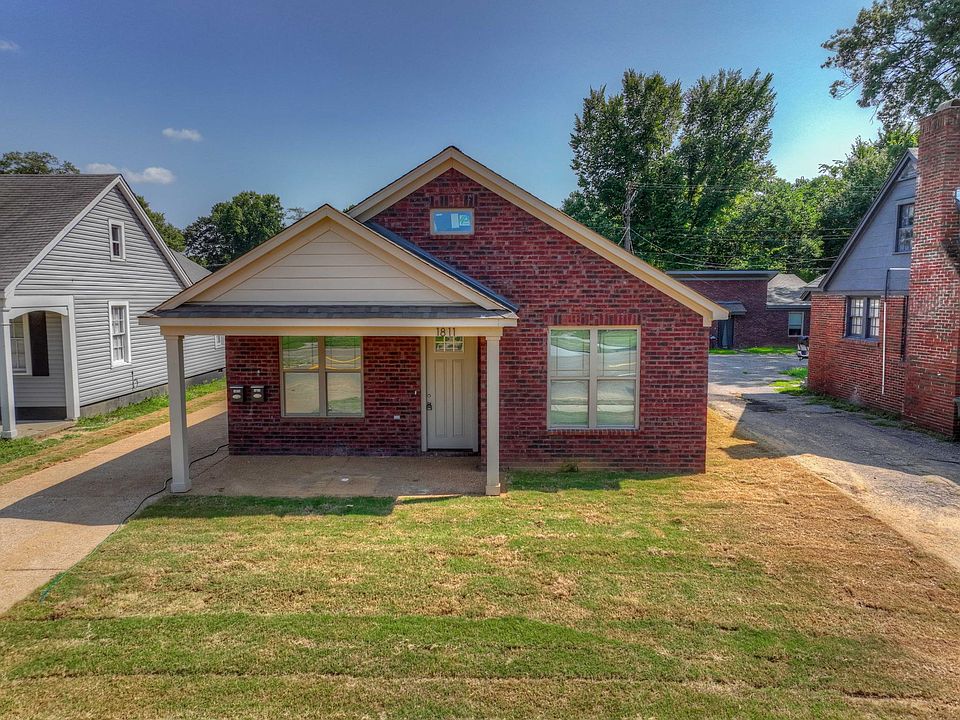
(429, 406)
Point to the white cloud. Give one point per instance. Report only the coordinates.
(154, 175)
(101, 168)
(183, 134)
(8, 46)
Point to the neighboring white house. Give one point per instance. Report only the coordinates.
(79, 262)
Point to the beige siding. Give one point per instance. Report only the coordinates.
(80, 265)
(48, 390)
(332, 269)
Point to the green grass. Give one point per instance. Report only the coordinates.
(578, 594)
(145, 407)
(759, 350)
(11, 450)
(795, 383)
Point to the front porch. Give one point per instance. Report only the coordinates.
(341, 476)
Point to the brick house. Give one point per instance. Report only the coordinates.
(452, 310)
(886, 317)
(766, 307)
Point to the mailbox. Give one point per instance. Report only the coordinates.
(236, 393)
(258, 393)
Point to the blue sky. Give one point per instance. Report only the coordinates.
(329, 102)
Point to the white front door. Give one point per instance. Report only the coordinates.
(451, 401)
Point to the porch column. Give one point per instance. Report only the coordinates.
(7, 410)
(493, 415)
(176, 387)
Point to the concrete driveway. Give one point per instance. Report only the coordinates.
(908, 479)
(51, 519)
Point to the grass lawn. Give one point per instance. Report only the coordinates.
(23, 456)
(760, 350)
(753, 591)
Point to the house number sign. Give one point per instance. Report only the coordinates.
(446, 331)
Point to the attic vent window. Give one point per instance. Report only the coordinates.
(118, 248)
(451, 222)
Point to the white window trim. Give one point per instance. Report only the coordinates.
(790, 327)
(28, 361)
(218, 342)
(321, 373)
(592, 381)
(125, 304)
(473, 221)
(123, 239)
(896, 227)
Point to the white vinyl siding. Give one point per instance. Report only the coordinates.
(80, 266)
(45, 390)
(593, 378)
(333, 269)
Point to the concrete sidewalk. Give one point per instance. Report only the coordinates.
(53, 518)
(907, 479)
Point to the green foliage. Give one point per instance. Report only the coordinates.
(170, 233)
(679, 157)
(902, 55)
(11, 450)
(33, 162)
(144, 407)
(234, 227)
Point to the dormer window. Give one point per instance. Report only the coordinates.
(451, 222)
(118, 248)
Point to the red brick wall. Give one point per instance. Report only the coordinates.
(933, 375)
(391, 381)
(850, 369)
(760, 326)
(557, 281)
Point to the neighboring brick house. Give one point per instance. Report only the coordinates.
(886, 317)
(452, 310)
(766, 307)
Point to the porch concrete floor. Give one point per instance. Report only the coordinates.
(311, 475)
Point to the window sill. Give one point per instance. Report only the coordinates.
(120, 364)
(317, 417)
(567, 430)
(903, 252)
(861, 340)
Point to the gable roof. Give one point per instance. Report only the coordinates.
(36, 211)
(908, 158)
(453, 158)
(404, 253)
(35, 208)
(194, 271)
(786, 289)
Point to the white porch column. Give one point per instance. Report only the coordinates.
(493, 415)
(7, 409)
(176, 387)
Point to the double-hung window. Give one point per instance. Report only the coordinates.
(119, 334)
(794, 323)
(863, 317)
(20, 345)
(118, 249)
(593, 378)
(904, 228)
(322, 376)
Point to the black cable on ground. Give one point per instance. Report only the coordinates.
(53, 583)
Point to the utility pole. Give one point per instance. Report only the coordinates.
(627, 212)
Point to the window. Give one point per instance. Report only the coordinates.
(448, 344)
(794, 324)
(118, 248)
(218, 341)
(451, 222)
(593, 378)
(904, 227)
(322, 376)
(119, 334)
(863, 317)
(20, 345)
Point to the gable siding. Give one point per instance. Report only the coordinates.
(332, 269)
(80, 266)
(864, 270)
(47, 390)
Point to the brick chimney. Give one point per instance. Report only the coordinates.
(933, 327)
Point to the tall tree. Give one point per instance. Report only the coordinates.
(33, 162)
(666, 164)
(170, 233)
(902, 55)
(234, 227)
